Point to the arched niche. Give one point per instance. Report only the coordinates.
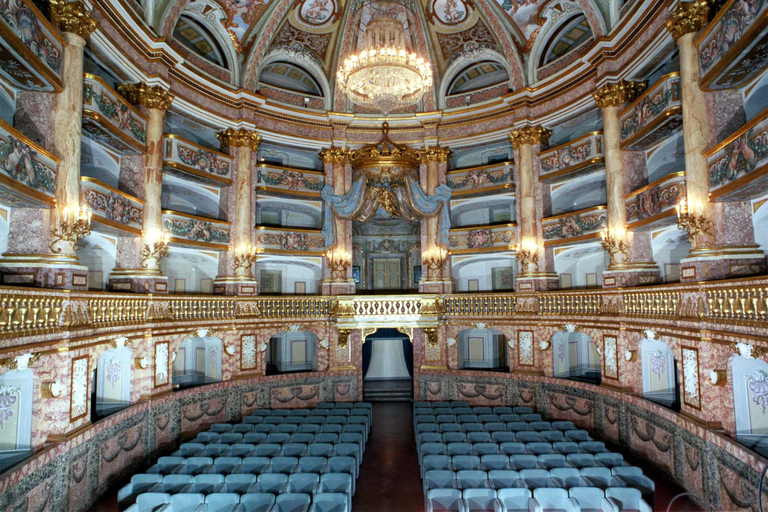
(575, 357)
(98, 252)
(290, 275)
(16, 395)
(482, 349)
(97, 162)
(659, 373)
(484, 272)
(198, 361)
(581, 265)
(113, 381)
(750, 401)
(291, 352)
(670, 245)
(189, 197)
(189, 270)
(483, 211)
(467, 83)
(313, 85)
(579, 193)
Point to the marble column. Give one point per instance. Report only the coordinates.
(338, 174)
(235, 271)
(632, 257)
(436, 271)
(50, 260)
(725, 247)
(137, 269)
(536, 270)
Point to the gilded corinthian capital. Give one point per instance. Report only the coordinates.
(241, 138)
(689, 18)
(150, 97)
(435, 154)
(529, 135)
(335, 155)
(72, 17)
(618, 93)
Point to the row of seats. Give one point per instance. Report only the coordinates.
(477, 418)
(263, 463)
(481, 447)
(551, 436)
(479, 409)
(520, 462)
(577, 499)
(496, 426)
(229, 502)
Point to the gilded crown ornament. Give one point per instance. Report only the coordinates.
(240, 138)
(618, 93)
(385, 154)
(529, 135)
(72, 17)
(151, 97)
(690, 17)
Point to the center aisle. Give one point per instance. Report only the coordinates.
(389, 475)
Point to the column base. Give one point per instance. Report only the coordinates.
(537, 281)
(235, 285)
(437, 285)
(337, 287)
(138, 281)
(710, 264)
(44, 271)
(631, 274)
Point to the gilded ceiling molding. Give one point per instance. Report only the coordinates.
(690, 17)
(618, 93)
(150, 97)
(72, 17)
(253, 62)
(335, 155)
(514, 62)
(241, 138)
(529, 135)
(435, 154)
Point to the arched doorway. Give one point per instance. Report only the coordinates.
(387, 366)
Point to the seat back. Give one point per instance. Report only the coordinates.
(588, 497)
(458, 448)
(553, 460)
(465, 462)
(512, 448)
(151, 501)
(303, 482)
(540, 448)
(239, 482)
(490, 462)
(208, 483)
(292, 502)
(503, 478)
(445, 500)
(479, 437)
(472, 479)
(566, 477)
(255, 464)
(257, 502)
(479, 499)
(175, 483)
(439, 479)
(271, 482)
(520, 462)
(628, 498)
(534, 478)
(312, 464)
(514, 498)
(186, 501)
(222, 501)
(329, 502)
(436, 462)
(551, 498)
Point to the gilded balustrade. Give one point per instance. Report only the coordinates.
(748, 303)
(479, 305)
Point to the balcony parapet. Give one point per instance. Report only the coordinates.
(288, 182)
(289, 240)
(190, 160)
(482, 180)
(482, 239)
(112, 209)
(575, 158)
(27, 171)
(110, 120)
(738, 166)
(578, 226)
(732, 47)
(654, 116)
(655, 202)
(32, 49)
(194, 231)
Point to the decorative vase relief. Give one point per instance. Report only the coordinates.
(161, 363)
(657, 360)
(611, 360)
(79, 392)
(213, 362)
(9, 403)
(757, 383)
(248, 352)
(691, 377)
(114, 369)
(525, 348)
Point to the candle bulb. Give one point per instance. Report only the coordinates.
(701, 209)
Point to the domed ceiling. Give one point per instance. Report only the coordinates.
(289, 50)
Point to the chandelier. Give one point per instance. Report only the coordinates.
(384, 75)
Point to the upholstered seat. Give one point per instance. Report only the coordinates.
(329, 502)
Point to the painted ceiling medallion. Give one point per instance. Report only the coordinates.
(317, 12)
(450, 12)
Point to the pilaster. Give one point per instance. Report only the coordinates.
(337, 263)
(435, 259)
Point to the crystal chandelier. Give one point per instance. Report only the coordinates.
(384, 75)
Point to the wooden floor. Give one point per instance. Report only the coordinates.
(389, 478)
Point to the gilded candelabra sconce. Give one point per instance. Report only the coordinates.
(344, 337)
(528, 256)
(156, 249)
(434, 260)
(718, 377)
(615, 244)
(630, 356)
(75, 225)
(692, 223)
(246, 259)
(432, 336)
(339, 261)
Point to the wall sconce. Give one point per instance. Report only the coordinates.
(156, 248)
(262, 347)
(511, 343)
(432, 336)
(230, 349)
(450, 342)
(245, 260)
(544, 345)
(615, 244)
(339, 260)
(344, 337)
(718, 377)
(692, 223)
(324, 344)
(75, 225)
(51, 389)
(434, 259)
(528, 256)
(141, 363)
(173, 356)
(630, 355)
